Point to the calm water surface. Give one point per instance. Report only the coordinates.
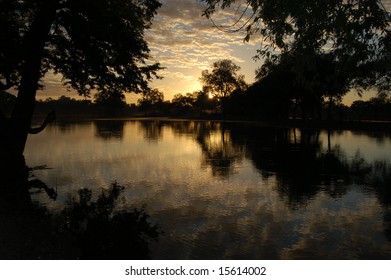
(231, 190)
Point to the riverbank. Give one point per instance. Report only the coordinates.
(364, 125)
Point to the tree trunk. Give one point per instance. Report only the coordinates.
(330, 108)
(34, 46)
(14, 131)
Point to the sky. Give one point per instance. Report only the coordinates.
(186, 43)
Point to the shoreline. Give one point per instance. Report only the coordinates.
(365, 125)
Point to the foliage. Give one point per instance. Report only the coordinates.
(110, 100)
(223, 78)
(151, 99)
(112, 97)
(184, 101)
(355, 34)
(376, 108)
(309, 80)
(94, 45)
(97, 45)
(272, 96)
(104, 232)
(193, 104)
(65, 106)
(377, 73)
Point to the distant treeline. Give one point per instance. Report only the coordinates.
(66, 106)
(255, 106)
(240, 105)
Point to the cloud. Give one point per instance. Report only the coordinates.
(181, 39)
(387, 4)
(184, 41)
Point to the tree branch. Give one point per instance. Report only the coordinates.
(226, 28)
(49, 119)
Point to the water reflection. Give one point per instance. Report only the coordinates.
(25, 233)
(104, 232)
(296, 159)
(109, 129)
(66, 127)
(381, 137)
(286, 192)
(218, 151)
(152, 129)
(84, 229)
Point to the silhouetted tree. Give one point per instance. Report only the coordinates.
(274, 92)
(151, 100)
(223, 79)
(192, 104)
(87, 228)
(7, 101)
(354, 34)
(110, 100)
(204, 103)
(377, 72)
(183, 103)
(94, 45)
(65, 106)
(306, 79)
(104, 232)
(181, 100)
(376, 108)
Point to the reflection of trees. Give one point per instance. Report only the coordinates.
(379, 136)
(377, 178)
(299, 168)
(25, 231)
(107, 129)
(289, 154)
(296, 159)
(219, 153)
(302, 169)
(103, 232)
(19, 181)
(152, 129)
(67, 127)
(85, 229)
(191, 128)
(36, 185)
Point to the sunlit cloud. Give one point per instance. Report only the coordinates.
(186, 43)
(181, 39)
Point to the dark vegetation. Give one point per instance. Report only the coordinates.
(101, 230)
(86, 228)
(95, 47)
(315, 52)
(256, 103)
